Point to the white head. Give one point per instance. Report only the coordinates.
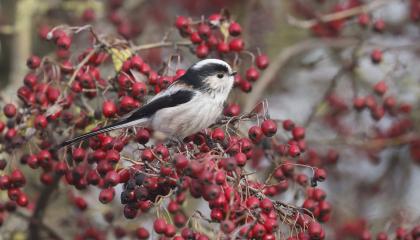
(213, 76)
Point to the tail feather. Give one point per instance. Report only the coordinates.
(118, 125)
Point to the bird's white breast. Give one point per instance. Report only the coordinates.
(188, 118)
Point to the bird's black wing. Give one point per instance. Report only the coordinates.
(165, 101)
(170, 100)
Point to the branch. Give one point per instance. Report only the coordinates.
(283, 58)
(327, 92)
(44, 226)
(160, 44)
(40, 207)
(368, 7)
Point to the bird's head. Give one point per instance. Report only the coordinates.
(211, 75)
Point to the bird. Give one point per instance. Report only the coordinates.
(190, 104)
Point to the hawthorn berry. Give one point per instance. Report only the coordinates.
(33, 62)
(376, 56)
(9, 110)
(262, 61)
(234, 29)
(236, 45)
(269, 127)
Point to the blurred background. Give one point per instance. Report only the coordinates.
(316, 72)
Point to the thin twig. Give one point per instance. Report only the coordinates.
(160, 44)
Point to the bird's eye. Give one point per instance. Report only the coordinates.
(220, 75)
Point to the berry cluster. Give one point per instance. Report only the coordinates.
(61, 98)
(219, 36)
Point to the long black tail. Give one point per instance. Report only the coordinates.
(114, 126)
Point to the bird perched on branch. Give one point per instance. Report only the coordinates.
(192, 103)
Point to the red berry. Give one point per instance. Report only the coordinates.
(359, 103)
(245, 85)
(30, 80)
(222, 47)
(17, 178)
(266, 205)
(211, 192)
(252, 202)
(202, 51)
(80, 203)
(262, 61)
(389, 103)
(235, 29)
(269, 127)
(377, 113)
(147, 155)
(106, 195)
(294, 150)
(88, 15)
(379, 25)
(315, 230)
(227, 226)
(298, 133)
(53, 94)
(22, 200)
(376, 55)
(380, 87)
(204, 30)
(159, 225)
(240, 159)
(181, 22)
(9, 110)
(142, 233)
(170, 230)
(40, 122)
(382, 236)
(255, 134)
(218, 134)
(252, 74)
(180, 161)
(33, 62)
(236, 45)
(64, 42)
(320, 174)
(220, 177)
(109, 109)
(363, 19)
(288, 125)
(232, 110)
(195, 38)
(112, 178)
(138, 89)
(142, 135)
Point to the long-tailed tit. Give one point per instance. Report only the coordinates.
(192, 103)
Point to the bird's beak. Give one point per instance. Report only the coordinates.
(233, 73)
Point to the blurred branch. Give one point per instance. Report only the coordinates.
(370, 6)
(22, 42)
(160, 44)
(7, 29)
(282, 59)
(40, 207)
(286, 54)
(345, 68)
(327, 92)
(44, 227)
(366, 143)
